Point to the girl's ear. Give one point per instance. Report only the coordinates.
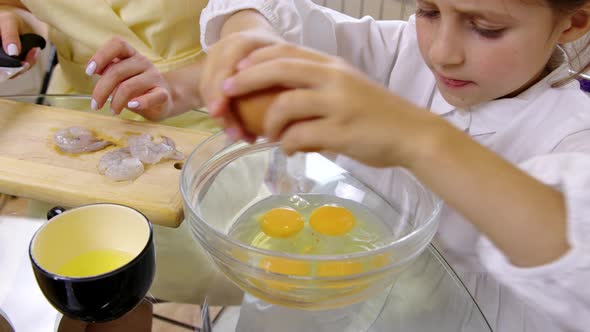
(575, 25)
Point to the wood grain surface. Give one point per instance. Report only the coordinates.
(31, 165)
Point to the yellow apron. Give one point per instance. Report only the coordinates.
(167, 32)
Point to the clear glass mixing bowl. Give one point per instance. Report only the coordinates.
(220, 180)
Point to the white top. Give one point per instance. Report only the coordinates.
(545, 131)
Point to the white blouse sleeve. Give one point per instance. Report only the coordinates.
(371, 46)
(559, 289)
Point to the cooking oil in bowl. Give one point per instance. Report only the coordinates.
(95, 262)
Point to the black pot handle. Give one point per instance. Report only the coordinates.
(55, 211)
(28, 41)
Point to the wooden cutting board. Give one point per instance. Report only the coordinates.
(31, 166)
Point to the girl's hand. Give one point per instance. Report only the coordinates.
(11, 27)
(222, 62)
(332, 107)
(131, 79)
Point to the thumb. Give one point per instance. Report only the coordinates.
(32, 56)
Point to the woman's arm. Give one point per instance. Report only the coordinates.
(137, 85)
(184, 87)
(184, 82)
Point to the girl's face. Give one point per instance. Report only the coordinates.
(484, 50)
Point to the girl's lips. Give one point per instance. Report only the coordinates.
(453, 83)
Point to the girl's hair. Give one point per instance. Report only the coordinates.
(577, 53)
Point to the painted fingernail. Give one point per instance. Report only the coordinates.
(90, 68)
(232, 133)
(93, 105)
(12, 49)
(133, 104)
(229, 84)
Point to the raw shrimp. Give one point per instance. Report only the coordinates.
(120, 165)
(78, 140)
(149, 152)
(127, 163)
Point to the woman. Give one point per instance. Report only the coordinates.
(167, 33)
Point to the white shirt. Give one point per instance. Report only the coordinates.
(545, 131)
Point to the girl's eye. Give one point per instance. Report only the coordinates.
(488, 33)
(427, 13)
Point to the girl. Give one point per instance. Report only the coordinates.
(474, 97)
(506, 141)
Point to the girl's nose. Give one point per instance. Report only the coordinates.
(446, 48)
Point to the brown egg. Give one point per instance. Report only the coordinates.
(251, 109)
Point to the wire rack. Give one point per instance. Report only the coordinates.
(379, 9)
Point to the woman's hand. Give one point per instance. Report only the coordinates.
(131, 79)
(11, 27)
(331, 106)
(222, 62)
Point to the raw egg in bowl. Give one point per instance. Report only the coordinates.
(302, 231)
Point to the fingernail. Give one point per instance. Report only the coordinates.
(232, 133)
(133, 104)
(243, 64)
(93, 105)
(112, 111)
(90, 68)
(12, 49)
(229, 84)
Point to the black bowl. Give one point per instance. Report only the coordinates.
(107, 295)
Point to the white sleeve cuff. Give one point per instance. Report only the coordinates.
(214, 16)
(559, 288)
(570, 173)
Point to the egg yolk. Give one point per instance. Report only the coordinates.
(339, 268)
(381, 260)
(342, 269)
(281, 222)
(240, 255)
(331, 220)
(285, 266)
(281, 266)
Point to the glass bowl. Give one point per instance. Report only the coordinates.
(221, 180)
